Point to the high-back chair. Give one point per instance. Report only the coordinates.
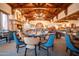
(17, 41)
(49, 43)
(70, 46)
(10, 36)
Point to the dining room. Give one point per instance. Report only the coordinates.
(39, 29)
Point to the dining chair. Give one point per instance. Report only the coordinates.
(49, 43)
(70, 47)
(31, 44)
(10, 38)
(3, 37)
(18, 42)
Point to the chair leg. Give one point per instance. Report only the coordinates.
(39, 45)
(17, 46)
(35, 51)
(25, 52)
(66, 49)
(52, 48)
(71, 53)
(47, 52)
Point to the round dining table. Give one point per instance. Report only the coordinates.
(33, 39)
(31, 42)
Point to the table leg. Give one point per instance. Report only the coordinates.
(35, 51)
(6, 39)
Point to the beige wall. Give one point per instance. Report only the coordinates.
(71, 9)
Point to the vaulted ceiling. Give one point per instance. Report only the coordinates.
(49, 9)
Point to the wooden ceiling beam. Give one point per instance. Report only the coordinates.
(52, 9)
(18, 5)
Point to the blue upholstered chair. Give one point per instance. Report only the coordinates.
(18, 42)
(10, 36)
(49, 43)
(70, 46)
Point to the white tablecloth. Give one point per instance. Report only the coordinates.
(31, 42)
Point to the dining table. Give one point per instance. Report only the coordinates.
(33, 39)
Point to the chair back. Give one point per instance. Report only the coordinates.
(11, 35)
(18, 42)
(50, 41)
(69, 44)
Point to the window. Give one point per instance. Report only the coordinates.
(4, 18)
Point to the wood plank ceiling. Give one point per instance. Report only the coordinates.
(74, 16)
(49, 9)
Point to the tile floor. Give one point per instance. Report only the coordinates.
(8, 49)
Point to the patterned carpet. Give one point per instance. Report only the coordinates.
(8, 49)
